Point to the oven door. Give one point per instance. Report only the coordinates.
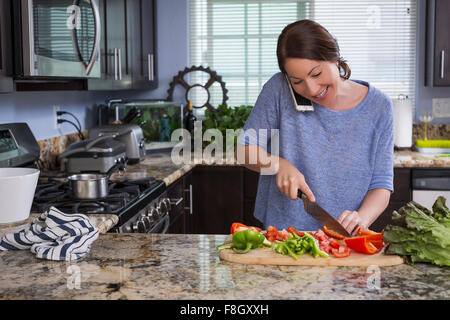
(162, 226)
(61, 38)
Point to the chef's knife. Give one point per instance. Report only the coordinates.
(323, 217)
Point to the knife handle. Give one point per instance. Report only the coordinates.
(300, 194)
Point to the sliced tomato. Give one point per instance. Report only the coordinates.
(332, 233)
(325, 248)
(334, 244)
(320, 235)
(282, 235)
(341, 252)
(271, 233)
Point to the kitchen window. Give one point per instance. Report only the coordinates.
(237, 39)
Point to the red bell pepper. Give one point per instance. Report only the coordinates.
(341, 251)
(292, 230)
(236, 226)
(369, 244)
(332, 233)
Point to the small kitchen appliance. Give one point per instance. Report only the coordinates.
(130, 135)
(93, 155)
(18, 147)
(56, 38)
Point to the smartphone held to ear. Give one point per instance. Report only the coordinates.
(301, 103)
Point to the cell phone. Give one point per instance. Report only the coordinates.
(300, 102)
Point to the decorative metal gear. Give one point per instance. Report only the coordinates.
(213, 77)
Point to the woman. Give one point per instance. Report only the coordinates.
(340, 155)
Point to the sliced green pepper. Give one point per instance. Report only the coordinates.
(315, 250)
(227, 245)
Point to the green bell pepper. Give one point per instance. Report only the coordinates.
(245, 240)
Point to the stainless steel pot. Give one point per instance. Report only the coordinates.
(92, 185)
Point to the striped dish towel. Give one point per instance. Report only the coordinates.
(54, 235)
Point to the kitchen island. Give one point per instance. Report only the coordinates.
(178, 267)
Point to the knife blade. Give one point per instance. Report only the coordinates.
(320, 215)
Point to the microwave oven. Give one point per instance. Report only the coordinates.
(56, 38)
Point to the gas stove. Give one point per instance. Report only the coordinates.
(141, 205)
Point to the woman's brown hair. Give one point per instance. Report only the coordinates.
(307, 39)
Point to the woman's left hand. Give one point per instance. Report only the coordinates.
(351, 220)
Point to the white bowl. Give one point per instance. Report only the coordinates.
(17, 187)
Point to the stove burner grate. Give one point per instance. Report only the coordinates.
(59, 194)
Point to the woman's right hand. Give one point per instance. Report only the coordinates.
(289, 180)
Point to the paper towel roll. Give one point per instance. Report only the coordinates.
(403, 122)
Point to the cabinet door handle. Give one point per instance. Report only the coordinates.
(115, 63)
(442, 63)
(120, 64)
(151, 75)
(190, 199)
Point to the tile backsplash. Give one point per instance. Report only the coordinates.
(52, 147)
(434, 131)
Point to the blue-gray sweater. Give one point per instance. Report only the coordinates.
(342, 154)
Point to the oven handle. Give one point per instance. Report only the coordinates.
(97, 37)
(166, 224)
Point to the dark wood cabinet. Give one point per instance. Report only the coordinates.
(6, 80)
(142, 38)
(114, 52)
(402, 195)
(127, 50)
(218, 197)
(441, 74)
(251, 179)
(179, 193)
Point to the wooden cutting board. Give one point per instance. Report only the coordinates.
(268, 256)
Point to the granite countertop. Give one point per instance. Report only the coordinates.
(168, 266)
(413, 159)
(104, 222)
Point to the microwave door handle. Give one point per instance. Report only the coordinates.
(75, 35)
(95, 49)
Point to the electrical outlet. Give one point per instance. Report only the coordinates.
(441, 108)
(56, 108)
